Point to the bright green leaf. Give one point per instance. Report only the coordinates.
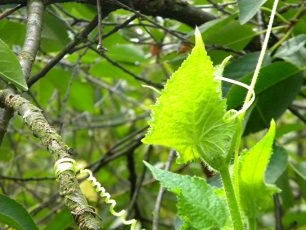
(255, 194)
(188, 115)
(10, 69)
(247, 9)
(14, 215)
(198, 205)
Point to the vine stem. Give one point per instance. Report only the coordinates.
(252, 223)
(232, 193)
(261, 56)
(231, 199)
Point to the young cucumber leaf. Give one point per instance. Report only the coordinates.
(198, 205)
(188, 115)
(247, 9)
(10, 69)
(255, 194)
(14, 215)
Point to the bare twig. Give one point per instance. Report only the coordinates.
(114, 63)
(278, 212)
(10, 11)
(91, 26)
(161, 194)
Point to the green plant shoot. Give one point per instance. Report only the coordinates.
(255, 194)
(188, 115)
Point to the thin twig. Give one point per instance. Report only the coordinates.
(10, 11)
(277, 213)
(91, 26)
(161, 194)
(297, 114)
(114, 63)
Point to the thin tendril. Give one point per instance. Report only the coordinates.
(66, 164)
(100, 28)
(252, 99)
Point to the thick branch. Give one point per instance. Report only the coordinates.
(32, 38)
(174, 9)
(28, 53)
(69, 187)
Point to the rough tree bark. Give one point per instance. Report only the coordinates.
(174, 9)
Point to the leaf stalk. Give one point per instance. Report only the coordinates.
(231, 199)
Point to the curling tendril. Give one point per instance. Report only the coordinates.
(65, 164)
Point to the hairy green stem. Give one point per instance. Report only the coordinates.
(231, 199)
(252, 223)
(238, 136)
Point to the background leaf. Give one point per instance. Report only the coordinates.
(247, 9)
(191, 121)
(293, 51)
(277, 164)
(300, 172)
(280, 78)
(54, 35)
(10, 69)
(14, 215)
(227, 32)
(198, 205)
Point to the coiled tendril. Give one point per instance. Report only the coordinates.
(69, 164)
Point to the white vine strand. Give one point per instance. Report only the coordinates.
(249, 103)
(65, 164)
(108, 200)
(262, 54)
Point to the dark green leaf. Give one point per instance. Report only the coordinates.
(62, 220)
(287, 196)
(277, 165)
(14, 215)
(12, 33)
(241, 67)
(54, 34)
(247, 9)
(10, 69)
(227, 32)
(300, 171)
(293, 51)
(277, 86)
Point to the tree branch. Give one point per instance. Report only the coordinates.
(84, 215)
(28, 53)
(32, 38)
(174, 9)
